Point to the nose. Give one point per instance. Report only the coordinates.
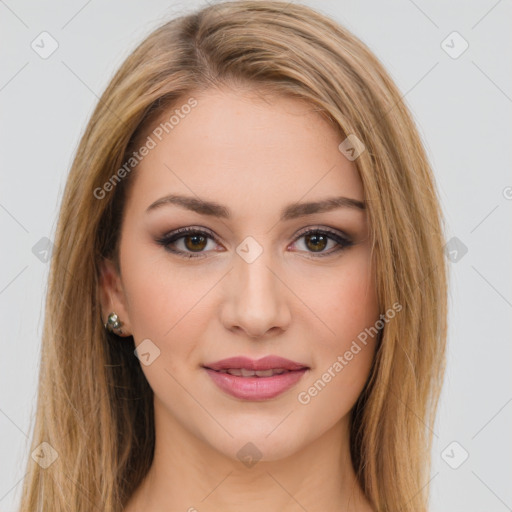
(256, 298)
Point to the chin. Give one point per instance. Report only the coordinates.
(256, 445)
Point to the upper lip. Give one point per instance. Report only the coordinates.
(265, 363)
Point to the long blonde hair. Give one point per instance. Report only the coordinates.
(94, 404)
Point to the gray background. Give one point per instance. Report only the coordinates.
(462, 106)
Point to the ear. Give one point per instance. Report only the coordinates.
(112, 296)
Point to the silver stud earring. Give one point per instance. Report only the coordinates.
(113, 323)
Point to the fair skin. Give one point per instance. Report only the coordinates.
(254, 157)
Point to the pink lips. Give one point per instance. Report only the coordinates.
(255, 387)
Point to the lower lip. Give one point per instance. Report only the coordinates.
(255, 388)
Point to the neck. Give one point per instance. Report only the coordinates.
(188, 474)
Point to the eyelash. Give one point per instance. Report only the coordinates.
(165, 241)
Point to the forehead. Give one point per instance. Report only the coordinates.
(244, 146)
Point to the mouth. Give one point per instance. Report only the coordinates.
(244, 372)
(254, 380)
(274, 363)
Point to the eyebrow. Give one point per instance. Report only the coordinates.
(292, 211)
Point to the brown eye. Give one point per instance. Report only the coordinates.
(322, 242)
(195, 242)
(316, 242)
(188, 242)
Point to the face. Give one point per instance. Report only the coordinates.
(257, 275)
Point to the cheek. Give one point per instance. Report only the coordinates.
(168, 304)
(347, 303)
(164, 306)
(162, 298)
(354, 304)
(343, 352)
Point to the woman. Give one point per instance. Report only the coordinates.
(247, 299)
